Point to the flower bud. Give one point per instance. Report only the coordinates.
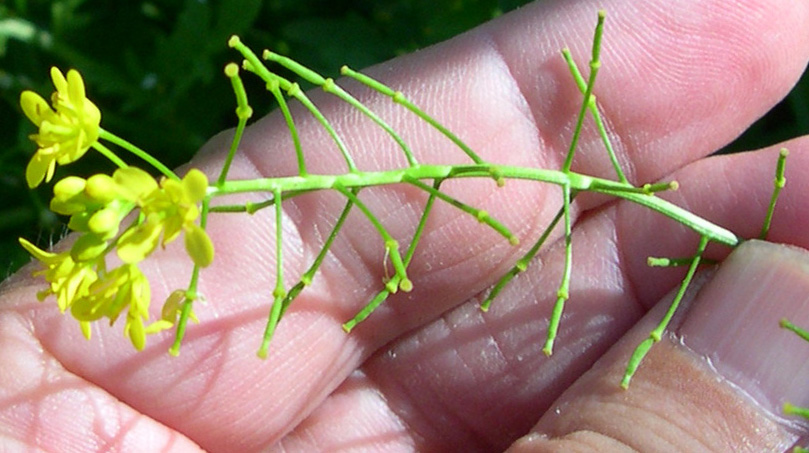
(101, 188)
(87, 247)
(67, 196)
(104, 222)
(69, 187)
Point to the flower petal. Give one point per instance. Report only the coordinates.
(39, 167)
(75, 87)
(134, 183)
(138, 242)
(36, 252)
(158, 326)
(59, 80)
(135, 332)
(34, 107)
(195, 185)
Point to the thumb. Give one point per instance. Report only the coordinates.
(718, 383)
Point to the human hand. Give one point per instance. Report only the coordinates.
(428, 371)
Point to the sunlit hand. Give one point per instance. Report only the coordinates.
(428, 371)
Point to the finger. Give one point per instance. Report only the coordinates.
(315, 321)
(475, 381)
(44, 407)
(718, 382)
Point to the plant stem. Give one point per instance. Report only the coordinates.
(243, 113)
(112, 138)
(657, 332)
(328, 85)
(279, 293)
(779, 183)
(564, 287)
(576, 182)
(411, 250)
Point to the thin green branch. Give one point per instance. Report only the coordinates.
(564, 287)
(382, 295)
(309, 275)
(118, 141)
(391, 245)
(400, 98)
(274, 88)
(779, 183)
(328, 85)
(191, 293)
(676, 262)
(595, 64)
(656, 334)
(254, 65)
(251, 207)
(243, 113)
(593, 107)
(479, 214)
(522, 264)
(803, 333)
(106, 152)
(279, 293)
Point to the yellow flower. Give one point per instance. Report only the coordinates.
(66, 131)
(69, 280)
(124, 287)
(167, 209)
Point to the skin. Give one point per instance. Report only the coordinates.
(428, 371)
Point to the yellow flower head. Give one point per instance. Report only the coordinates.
(66, 131)
(122, 288)
(69, 280)
(168, 208)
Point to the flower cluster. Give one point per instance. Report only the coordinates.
(97, 206)
(66, 132)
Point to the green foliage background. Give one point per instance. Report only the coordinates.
(154, 68)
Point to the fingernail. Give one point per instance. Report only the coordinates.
(734, 323)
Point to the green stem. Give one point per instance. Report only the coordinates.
(243, 113)
(400, 98)
(106, 152)
(479, 214)
(254, 65)
(391, 245)
(564, 287)
(309, 275)
(191, 292)
(656, 334)
(593, 106)
(803, 333)
(779, 183)
(382, 295)
(275, 88)
(328, 85)
(279, 293)
(595, 64)
(522, 264)
(159, 166)
(576, 182)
